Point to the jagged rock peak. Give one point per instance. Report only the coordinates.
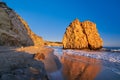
(82, 35)
(76, 21)
(14, 31)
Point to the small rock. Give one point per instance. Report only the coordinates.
(39, 56)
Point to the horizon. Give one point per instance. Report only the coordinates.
(49, 19)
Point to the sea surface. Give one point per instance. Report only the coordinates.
(102, 64)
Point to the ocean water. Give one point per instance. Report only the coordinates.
(109, 58)
(111, 54)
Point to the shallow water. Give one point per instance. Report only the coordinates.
(88, 65)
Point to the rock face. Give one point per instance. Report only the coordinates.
(92, 35)
(82, 35)
(14, 31)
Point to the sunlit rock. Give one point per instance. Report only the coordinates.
(92, 35)
(74, 36)
(82, 35)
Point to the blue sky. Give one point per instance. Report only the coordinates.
(49, 18)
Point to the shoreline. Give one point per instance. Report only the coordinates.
(28, 60)
(83, 67)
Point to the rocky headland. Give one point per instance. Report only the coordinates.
(82, 35)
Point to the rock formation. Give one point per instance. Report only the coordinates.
(14, 31)
(92, 35)
(74, 36)
(82, 35)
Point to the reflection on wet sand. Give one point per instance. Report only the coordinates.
(79, 67)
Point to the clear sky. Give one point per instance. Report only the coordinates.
(49, 18)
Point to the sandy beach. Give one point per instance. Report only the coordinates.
(21, 63)
(25, 63)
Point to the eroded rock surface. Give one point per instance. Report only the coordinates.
(82, 35)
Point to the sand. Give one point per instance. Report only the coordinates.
(19, 63)
(22, 59)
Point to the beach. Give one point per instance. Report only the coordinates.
(55, 65)
(18, 63)
(64, 40)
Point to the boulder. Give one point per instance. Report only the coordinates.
(82, 35)
(39, 56)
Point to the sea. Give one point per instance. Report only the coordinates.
(101, 64)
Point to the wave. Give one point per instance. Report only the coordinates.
(111, 49)
(109, 56)
(115, 50)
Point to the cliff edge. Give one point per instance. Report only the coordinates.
(14, 31)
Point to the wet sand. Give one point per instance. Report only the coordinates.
(19, 63)
(51, 62)
(85, 68)
(106, 74)
(72, 67)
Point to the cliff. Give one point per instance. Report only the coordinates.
(14, 31)
(82, 35)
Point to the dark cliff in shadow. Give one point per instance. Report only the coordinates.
(14, 31)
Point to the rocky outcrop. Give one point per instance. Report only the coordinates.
(14, 31)
(74, 36)
(82, 35)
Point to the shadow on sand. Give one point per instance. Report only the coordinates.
(15, 65)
